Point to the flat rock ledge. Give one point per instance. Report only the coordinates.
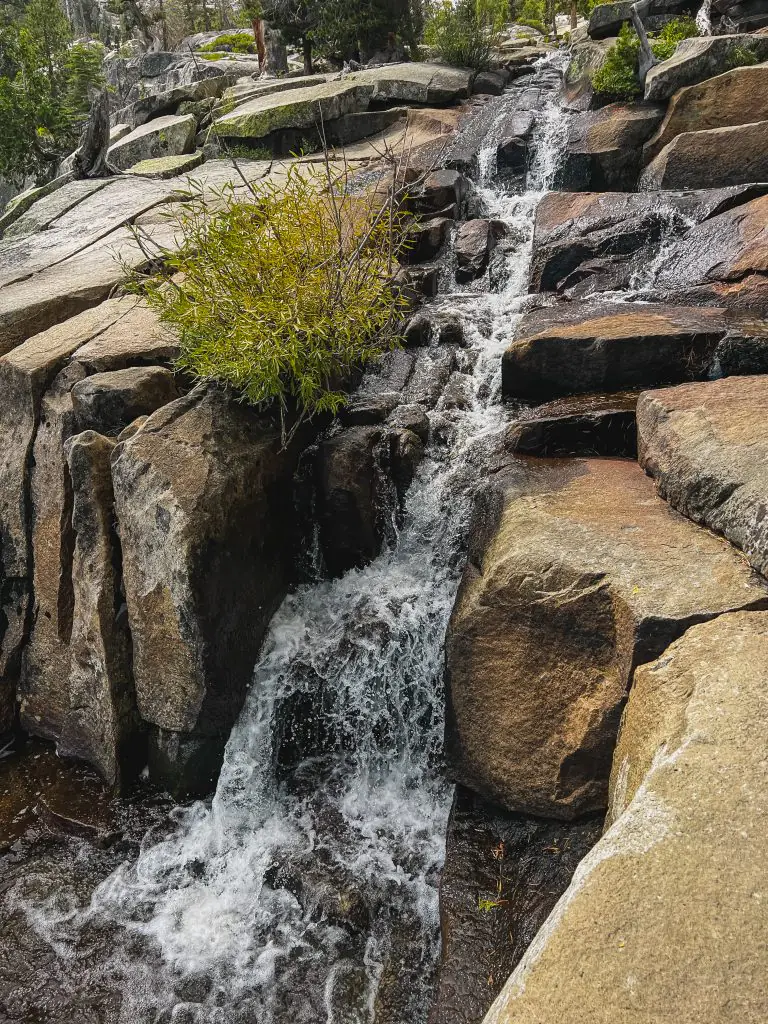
(664, 918)
(706, 446)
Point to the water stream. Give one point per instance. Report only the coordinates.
(306, 890)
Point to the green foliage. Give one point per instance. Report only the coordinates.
(280, 294)
(664, 43)
(44, 86)
(741, 57)
(459, 35)
(237, 42)
(533, 13)
(618, 74)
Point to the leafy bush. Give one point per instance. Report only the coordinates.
(236, 42)
(459, 35)
(664, 43)
(618, 75)
(741, 57)
(533, 15)
(280, 292)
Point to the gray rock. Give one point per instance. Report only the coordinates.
(101, 725)
(107, 402)
(706, 447)
(699, 58)
(165, 136)
(607, 19)
(490, 83)
(410, 417)
(426, 239)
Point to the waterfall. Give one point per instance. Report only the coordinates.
(703, 18)
(306, 890)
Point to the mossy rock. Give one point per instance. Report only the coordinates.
(167, 166)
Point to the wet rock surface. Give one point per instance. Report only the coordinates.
(667, 898)
(586, 425)
(503, 874)
(574, 348)
(706, 447)
(579, 573)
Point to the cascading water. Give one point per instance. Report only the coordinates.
(307, 890)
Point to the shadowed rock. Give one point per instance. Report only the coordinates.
(107, 402)
(588, 425)
(203, 571)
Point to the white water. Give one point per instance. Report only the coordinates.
(205, 925)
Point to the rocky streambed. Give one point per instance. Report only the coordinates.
(528, 560)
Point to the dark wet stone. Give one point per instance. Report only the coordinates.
(503, 875)
(586, 425)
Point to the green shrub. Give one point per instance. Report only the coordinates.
(740, 57)
(238, 42)
(617, 76)
(664, 43)
(459, 35)
(280, 292)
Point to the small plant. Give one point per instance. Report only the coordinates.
(235, 42)
(740, 57)
(664, 43)
(460, 36)
(281, 293)
(618, 77)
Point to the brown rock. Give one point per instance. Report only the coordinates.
(575, 348)
(605, 146)
(716, 158)
(737, 97)
(581, 574)
(663, 919)
(586, 425)
(204, 506)
(475, 241)
(706, 446)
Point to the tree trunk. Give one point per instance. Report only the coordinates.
(306, 45)
(258, 34)
(574, 15)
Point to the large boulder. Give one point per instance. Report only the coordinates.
(303, 109)
(737, 97)
(707, 448)
(579, 573)
(717, 157)
(165, 136)
(576, 348)
(154, 103)
(605, 146)
(606, 19)
(203, 572)
(663, 918)
(724, 259)
(699, 58)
